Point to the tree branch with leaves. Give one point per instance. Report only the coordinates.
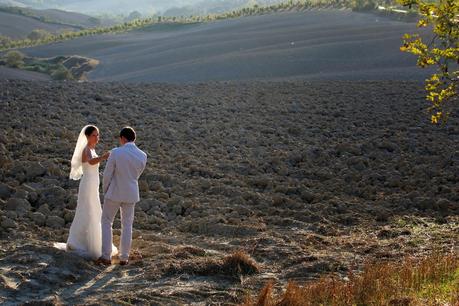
(441, 51)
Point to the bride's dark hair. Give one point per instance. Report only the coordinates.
(88, 131)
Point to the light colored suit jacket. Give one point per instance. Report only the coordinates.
(122, 172)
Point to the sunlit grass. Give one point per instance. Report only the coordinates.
(433, 280)
(441, 291)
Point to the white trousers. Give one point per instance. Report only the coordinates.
(127, 218)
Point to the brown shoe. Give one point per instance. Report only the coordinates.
(124, 262)
(103, 261)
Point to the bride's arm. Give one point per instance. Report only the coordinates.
(92, 161)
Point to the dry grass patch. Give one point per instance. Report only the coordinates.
(240, 263)
(188, 252)
(432, 280)
(234, 265)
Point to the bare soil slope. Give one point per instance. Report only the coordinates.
(309, 178)
(17, 74)
(71, 18)
(18, 26)
(318, 44)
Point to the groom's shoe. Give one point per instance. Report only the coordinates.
(103, 261)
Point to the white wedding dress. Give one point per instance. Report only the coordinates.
(85, 235)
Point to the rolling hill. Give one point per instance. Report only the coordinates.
(101, 6)
(19, 26)
(10, 73)
(63, 17)
(146, 7)
(215, 7)
(318, 44)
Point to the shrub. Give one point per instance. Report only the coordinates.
(38, 34)
(363, 5)
(14, 59)
(62, 73)
(5, 40)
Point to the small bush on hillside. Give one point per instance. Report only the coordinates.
(4, 40)
(364, 5)
(14, 59)
(38, 34)
(62, 73)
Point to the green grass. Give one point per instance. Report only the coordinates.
(443, 290)
(41, 66)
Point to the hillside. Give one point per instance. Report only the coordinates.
(82, 20)
(64, 17)
(103, 6)
(309, 178)
(10, 73)
(214, 7)
(146, 7)
(18, 26)
(317, 44)
(58, 16)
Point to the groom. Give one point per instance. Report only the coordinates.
(120, 185)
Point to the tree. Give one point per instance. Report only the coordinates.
(442, 51)
(363, 5)
(38, 34)
(14, 59)
(4, 40)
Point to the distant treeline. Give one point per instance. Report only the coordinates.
(296, 5)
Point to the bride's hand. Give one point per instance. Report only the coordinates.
(106, 155)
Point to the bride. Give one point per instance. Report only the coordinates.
(85, 235)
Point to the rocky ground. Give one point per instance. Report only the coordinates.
(309, 178)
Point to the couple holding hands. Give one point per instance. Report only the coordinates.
(90, 234)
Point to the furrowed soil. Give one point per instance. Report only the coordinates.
(308, 178)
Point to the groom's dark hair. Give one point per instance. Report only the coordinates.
(128, 133)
